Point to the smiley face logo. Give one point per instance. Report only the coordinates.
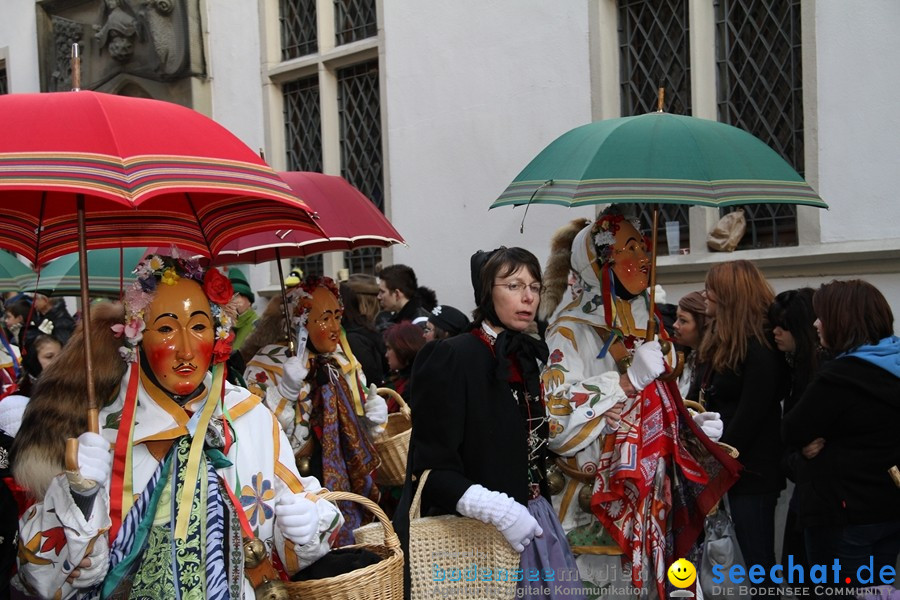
(682, 573)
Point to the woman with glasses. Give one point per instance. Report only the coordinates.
(480, 426)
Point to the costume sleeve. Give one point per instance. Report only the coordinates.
(55, 537)
(438, 401)
(579, 387)
(288, 481)
(761, 384)
(262, 376)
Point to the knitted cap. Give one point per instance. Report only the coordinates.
(240, 284)
(451, 320)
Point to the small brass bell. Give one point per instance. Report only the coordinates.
(555, 480)
(304, 466)
(272, 590)
(584, 497)
(665, 346)
(254, 552)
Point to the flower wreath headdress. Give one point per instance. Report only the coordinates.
(603, 234)
(155, 270)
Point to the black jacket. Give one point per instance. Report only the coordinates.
(466, 427)
(855, 406)
(749, 401)
(367, 346)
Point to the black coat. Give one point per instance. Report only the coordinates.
(749, 401)
(367, 346)
(855, 406)
(466, 428)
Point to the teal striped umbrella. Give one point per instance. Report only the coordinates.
(13, 273)
(658, 158)
(109, 273)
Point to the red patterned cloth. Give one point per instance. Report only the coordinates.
(651, 493)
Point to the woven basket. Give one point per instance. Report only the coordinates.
(381, 581)
(393, 445)
(449, 547)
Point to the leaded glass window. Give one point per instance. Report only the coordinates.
(654, 47)
(4, 85)
(667, 212)
(654, 50)
(359, 109)
(758, 58)
(299, 35)
(354, 20)
(303, 142)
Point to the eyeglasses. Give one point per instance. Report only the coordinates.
(517, 287)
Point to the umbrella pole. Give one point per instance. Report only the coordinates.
(651, 320)
(93, 409)
(284, 304)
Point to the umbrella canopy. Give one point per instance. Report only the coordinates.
(13, 273)
(149, 172)
(109, 271)
(350, 218)
(658, 158)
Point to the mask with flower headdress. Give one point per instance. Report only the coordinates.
(159, 292)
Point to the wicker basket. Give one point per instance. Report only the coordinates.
(393, 445)
(458, 557)
(381, 581)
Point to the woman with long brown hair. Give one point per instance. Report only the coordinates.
(745, 381)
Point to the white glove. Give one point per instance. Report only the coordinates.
(298, 518)
(94, 457)
(294, 373)
(711, 424)
(646, 365)
(496, 508)
(376, 410)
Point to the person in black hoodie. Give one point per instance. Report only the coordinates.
(850, 414)
(745, 381)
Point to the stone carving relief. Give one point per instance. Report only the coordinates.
(139, 40)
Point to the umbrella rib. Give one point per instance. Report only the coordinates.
(200, 224)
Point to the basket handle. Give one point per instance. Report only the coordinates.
(415, 507)
(404, 407)
(390, 536)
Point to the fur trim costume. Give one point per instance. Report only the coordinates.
(198, 464)
(618, 474)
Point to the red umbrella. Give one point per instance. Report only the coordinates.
(83, 170)
(150, 172)
(351, 220)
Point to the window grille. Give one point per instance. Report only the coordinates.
(359, 107)
(298, 28)
(654, 46)
(758, 58)
(4, 84)
(667, 212)
(303, 142)
(354, 20)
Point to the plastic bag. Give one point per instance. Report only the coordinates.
(720, 547)
(727, 233)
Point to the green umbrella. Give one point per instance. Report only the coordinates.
(658, 158)
(109, 273)
(13, 273)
